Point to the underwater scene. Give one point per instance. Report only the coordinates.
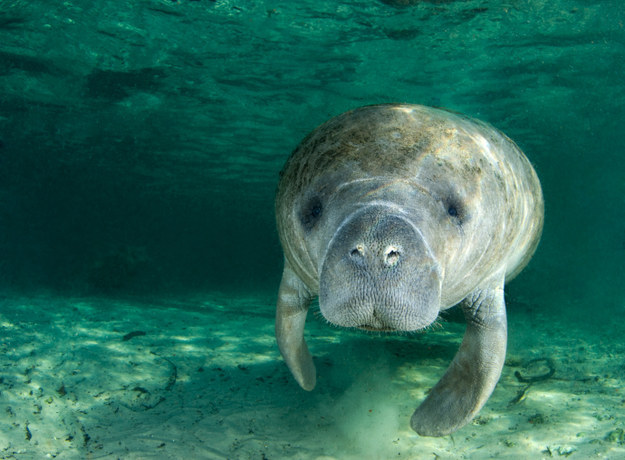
(142, 261)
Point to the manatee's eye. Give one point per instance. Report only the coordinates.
(455, 209)
(311, 213)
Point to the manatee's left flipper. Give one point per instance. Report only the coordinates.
(475, 370)
(293, 301)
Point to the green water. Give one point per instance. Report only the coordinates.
(140, 141)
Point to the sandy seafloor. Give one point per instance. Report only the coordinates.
(205, 380)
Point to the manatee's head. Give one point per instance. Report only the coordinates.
(368, 213)
(376, 268)
(371, 246)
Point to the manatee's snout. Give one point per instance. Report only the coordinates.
(379, 273)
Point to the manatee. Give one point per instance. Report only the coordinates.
(392, 213)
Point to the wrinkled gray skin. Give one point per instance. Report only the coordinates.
(392, 213)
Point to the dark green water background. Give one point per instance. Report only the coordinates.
(140, 141)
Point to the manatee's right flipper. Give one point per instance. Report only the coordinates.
(475, 370)
(293, 301)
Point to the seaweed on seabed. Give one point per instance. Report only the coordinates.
(132, 334)
(550, 366)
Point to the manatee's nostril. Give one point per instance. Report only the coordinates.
(358, 252)
(391, 256)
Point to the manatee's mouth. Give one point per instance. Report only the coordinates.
(375, 324)
(371, 322)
